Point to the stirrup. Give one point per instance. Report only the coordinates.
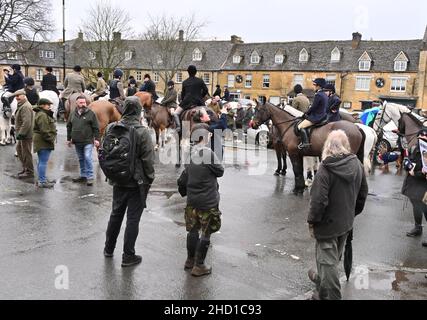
(302, 146)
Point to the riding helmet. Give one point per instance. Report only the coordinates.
(171, 83)
(321, 82)
(16, 67)
(29, 81)
(118, 73)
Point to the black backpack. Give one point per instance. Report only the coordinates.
(118, 152)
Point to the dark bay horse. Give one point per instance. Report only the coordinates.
(285, 123)
(409, 126)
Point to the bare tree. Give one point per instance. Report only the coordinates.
(170, 39)
(23, 19)
(103, 29)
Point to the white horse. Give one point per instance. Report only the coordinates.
(52, 97)
(6, 118)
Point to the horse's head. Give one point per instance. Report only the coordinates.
(262, 115)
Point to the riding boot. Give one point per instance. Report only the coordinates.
(192, 241)
(177, 122)
(200, 269)
(304, 139)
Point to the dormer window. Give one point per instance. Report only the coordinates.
(128, 55)
(237, 59)
(47, 54)
(401, 62)
(279, 58)
(197, 55)
(335, 55)
(365, 62)
(255, 58)
(12, 55)
(303, 55)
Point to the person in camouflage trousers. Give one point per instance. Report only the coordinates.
(202, 215)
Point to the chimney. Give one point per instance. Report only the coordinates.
(19, 38)
(357, 38)
(235, 39)
(117, 36)
(181, 35)
(80, 36)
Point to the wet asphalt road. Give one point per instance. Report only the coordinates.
(262, 252)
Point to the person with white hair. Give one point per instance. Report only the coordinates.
(338, 195)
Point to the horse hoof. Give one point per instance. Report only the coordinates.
(283, 173)
(277, 173)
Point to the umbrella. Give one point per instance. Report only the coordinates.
(348, 255)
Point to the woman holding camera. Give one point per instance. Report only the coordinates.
(415, 186)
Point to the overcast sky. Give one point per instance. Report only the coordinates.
(272, 20)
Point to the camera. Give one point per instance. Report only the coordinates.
(408, 165)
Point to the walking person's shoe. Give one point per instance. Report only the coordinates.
(108, 254)
(26, 175)
(130, 261)
(89, 182)
(80, 180)
(424, 243)
(45, 185)
(200, 269)
(416, 232)
(312, 275)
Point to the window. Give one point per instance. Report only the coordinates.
(156, 77)
(279, 58)
(331, 79)
(57, 74)
(247, 97)
(248, 82)
(128, 55)
(266, 81)
(139, 76)
(237, 59)
(303, 55)
(400, 65)
(347, 105)
(231, 80)
(207, 78)
(92, 55)
(363, 83)
(299, 79)
(335, 55)
(178, 77)
(364, 65)
(262, 99)
(197, 55)
(398, 84)
(255, 58)
(39, 75)
(47, 54)
(234, 96)
(12, 56)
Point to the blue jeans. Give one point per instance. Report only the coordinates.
(84, 152)
(42, 165)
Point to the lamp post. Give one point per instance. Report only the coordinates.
(63, 40)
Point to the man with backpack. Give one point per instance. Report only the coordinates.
(130, 175)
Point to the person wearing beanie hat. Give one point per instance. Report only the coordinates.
(194, 91)
(300, 102)
(415, 184)
(333, 104)
(24, 117)
(44, 139)
(316, 114)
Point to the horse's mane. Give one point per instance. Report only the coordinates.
(288, 109)
(414, 118)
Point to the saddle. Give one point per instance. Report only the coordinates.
(119, 104)
(309, 130)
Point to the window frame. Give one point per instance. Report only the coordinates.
(363, 64)
(400, 63)
(237, 59)
(248, 79)
(39, 74)
(280, 60)
(303, 53)
(197, 55)
(255, 58)
(128, 55)
(139, 76)
(335, 55)
(399, 89)
(156, 77)
(359, 88)
(231, 80)
(266, 84)
(207, 76)
(179, 79)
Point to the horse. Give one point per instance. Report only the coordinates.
(280, 150)
(52, 96)
(409, 125)
(7, 111)
(285, 122)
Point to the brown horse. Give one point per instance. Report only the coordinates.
(105, 111)
(409, 126)
(285, 123)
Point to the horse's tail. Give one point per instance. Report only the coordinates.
(361, 153)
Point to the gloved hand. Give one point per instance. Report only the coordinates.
(20, 137)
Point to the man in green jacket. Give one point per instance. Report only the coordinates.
(83, 133)
(24, 118)
(44, 139)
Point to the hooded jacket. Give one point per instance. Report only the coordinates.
(338, 195)
(415, 187)
(144, 165)
(44, 130)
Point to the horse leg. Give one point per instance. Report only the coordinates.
(279, 161)
(285, 165)
(298, 167)
(156, 148)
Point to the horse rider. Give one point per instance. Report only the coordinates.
(316, 114)
(101, 88)
(73, 83)
(132, 89)
(117, 92)
(31, 92)
(49, 81)
(194, 91)
(170, 98)
(334, 104)
(14, 81)
(150, 87)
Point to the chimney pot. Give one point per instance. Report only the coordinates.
(181, 35)
(18, 37)
(236, 39)
(117, 36)
(80, 35)
(357, 38)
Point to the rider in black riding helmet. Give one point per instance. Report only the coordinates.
(31, 92)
